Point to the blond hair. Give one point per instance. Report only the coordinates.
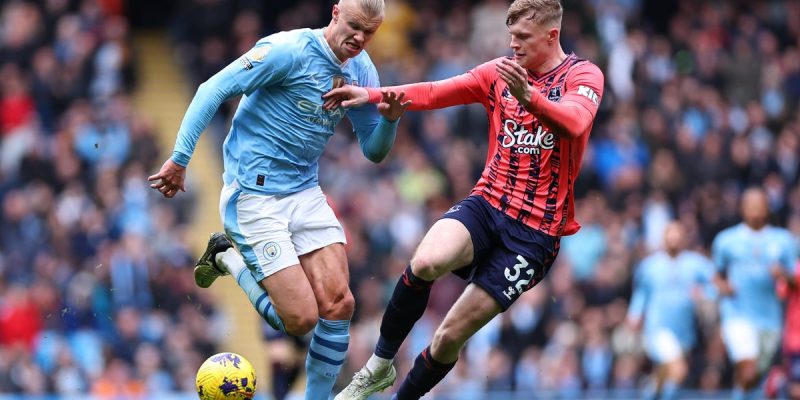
(370, 8)
(542, 12)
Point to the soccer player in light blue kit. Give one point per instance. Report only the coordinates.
(288, 239)
(667, 285)
(750, 257)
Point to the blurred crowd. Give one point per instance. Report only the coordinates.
(95, 296)
(702, 100)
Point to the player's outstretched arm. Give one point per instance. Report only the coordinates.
(376, 133)
(462, 89)
(210, 95)
(169, 179)
(392, 105)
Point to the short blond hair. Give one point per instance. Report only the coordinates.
(370, 8)
(542, 12)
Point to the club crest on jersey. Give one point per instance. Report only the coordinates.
(272, 251)
(554, 94)
(507, 94)
(338, 81)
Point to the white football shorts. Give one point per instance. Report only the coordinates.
(744, 341)
(272, 231)
(663, 347)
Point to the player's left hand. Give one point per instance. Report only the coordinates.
(516, 77)
(345, 96)
(169, 179)
(392, 105)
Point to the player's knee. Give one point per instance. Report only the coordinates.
(425, 267)
(301, 324)
(748, 376)
(339, 307)
(446, 341)
(678, 370)
(794, 391)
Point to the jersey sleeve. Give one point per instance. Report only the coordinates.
(704, 277)
(640, 293)
(718, 256)
(574, 114)
(469, 87)
(375, 134)
(267, 63)
(789, 254)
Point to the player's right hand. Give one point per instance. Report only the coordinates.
(392, 105)
(725, 288)
(169, 179)
(345, 96)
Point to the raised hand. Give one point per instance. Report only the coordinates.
(345, 96)
(516, 77)
(169, 179)
(392, 105)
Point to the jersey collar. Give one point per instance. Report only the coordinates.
(320, 34)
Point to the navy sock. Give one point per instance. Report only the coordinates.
(408, 302)
(424, 375)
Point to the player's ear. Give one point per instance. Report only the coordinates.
(552, 35)
(335, 13)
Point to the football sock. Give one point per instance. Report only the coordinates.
(259, 299)
(669, 390)
(741, 394)
(424, 375)
(408, 302)
(376, 363)
(326, 354)
(231, 261)
(650, 391)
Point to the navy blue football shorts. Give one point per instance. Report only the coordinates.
(793, 368)
(510, 257)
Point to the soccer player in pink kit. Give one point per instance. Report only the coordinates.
(504, 236)
(784, 379)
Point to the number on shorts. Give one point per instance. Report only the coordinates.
(521, 284)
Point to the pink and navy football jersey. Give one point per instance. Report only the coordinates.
(530, 170)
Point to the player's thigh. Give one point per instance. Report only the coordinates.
(259, 228)
(473, 309)
(319, 239)
(327, 273)
(663, 347)
(769, 342)
(741, 340)
(293, 298)
(447, 246)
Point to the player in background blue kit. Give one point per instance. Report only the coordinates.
(750, 258)
(667, 285)
(289, 241)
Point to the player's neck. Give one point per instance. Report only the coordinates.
(553, 61)
(673, 253)
(327, 35)
(755, 226)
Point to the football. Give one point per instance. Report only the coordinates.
(226, 376)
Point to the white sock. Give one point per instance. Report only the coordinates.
(231, 261)
(376, 363)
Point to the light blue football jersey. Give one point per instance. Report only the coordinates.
(747, 256)
(280, 129)
(663, 291)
